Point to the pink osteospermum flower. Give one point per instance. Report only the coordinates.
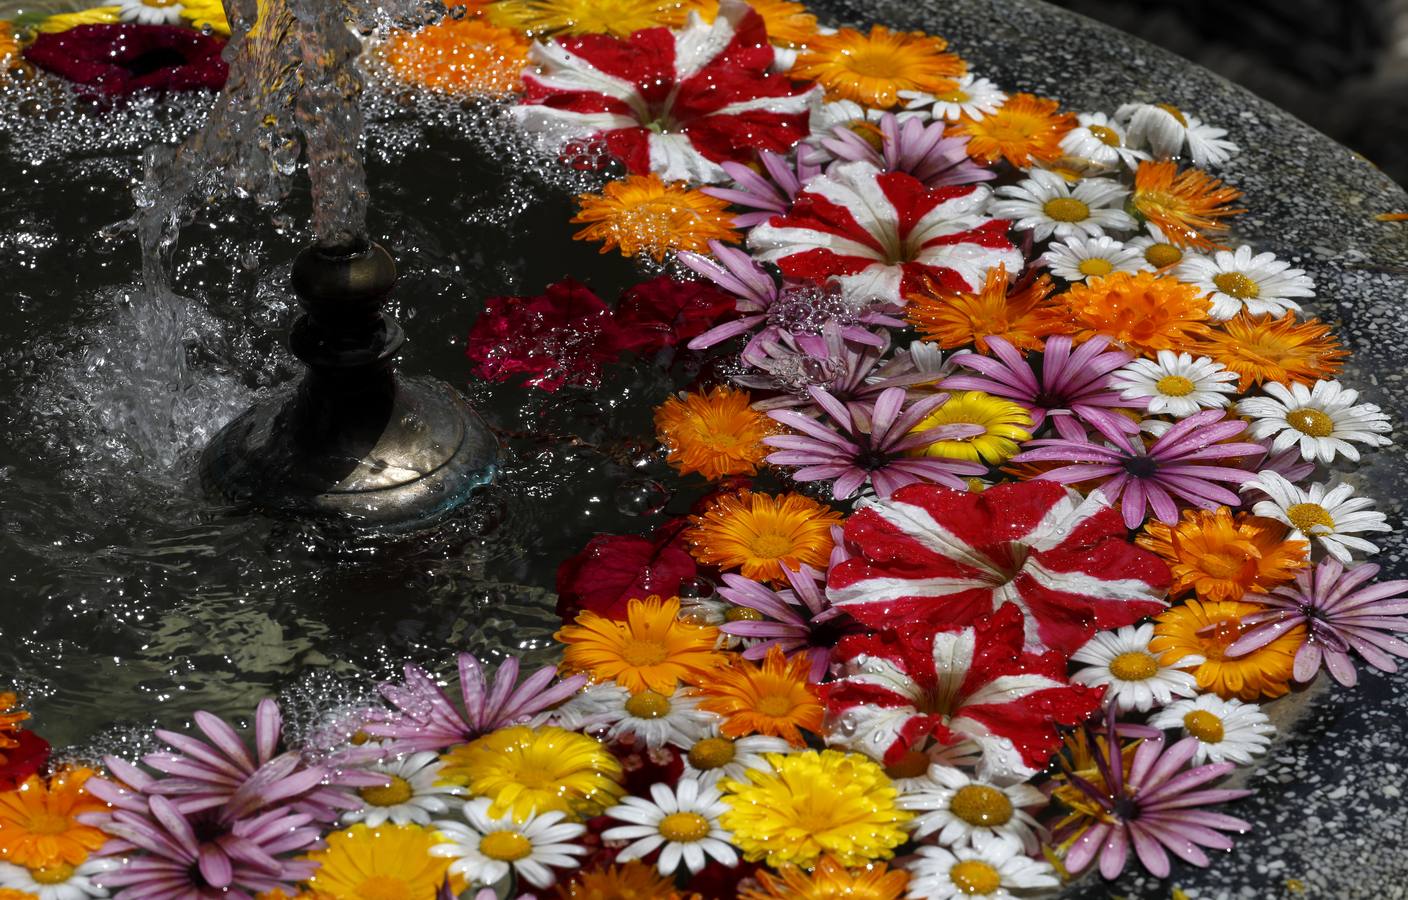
(1176, 467)
(1343, 615)
(799, 619)
(909, 146)
(428, 720)
(764, 195)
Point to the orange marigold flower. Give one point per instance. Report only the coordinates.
(1207, 629)
(787, 23)
(774, 698)
(714, 434)
(1024, 316)
(830, 881)
(758, 534)
(652, 650)
(1265, 348)
(459, 56)
(39, 824)
(873, 68)
(1184, 205)
(1221, 556)
(1142, 312)
(642, 214)
(1025, 129)
(633, 881)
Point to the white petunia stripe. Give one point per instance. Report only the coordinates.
(566, 71)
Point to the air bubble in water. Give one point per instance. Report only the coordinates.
(641, 497)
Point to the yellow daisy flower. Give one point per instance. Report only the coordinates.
(389, 861)
(615, 17)
(652, 650)
(633, 881)
(715, 434)
(758, 534)
(873, 68)
(203, 13)
(1005, 424)
(641, 214)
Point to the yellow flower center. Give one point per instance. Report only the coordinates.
(684, 827)
(48, 823)
(1134, 666)
(1095, 266)
(1204, 726)
(973, 876)
(393, 794)
(1312, 422)
(1305, 516)
(1235, 284)
(1173, 111)
(1174, 386)
(505, 846)
(1106, 136)
(1066, 209)
(384, 887)
(771, 546)
(58, 873)
(978, 804)
(776, 706)
(954, 96)
(639, 653)
(911, 765)
(648, 705)
(359, 738)
(742, 614)
(1162, 255)
(712, 753)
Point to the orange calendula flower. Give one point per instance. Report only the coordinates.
(787, 23)
(830, 881)
(1142, 312)
(873, 68)
(620, 18)
(1186, 205)
(1221, 556)
(773, 698)
(633, 881)
(652, 650)
(1025, 129)
(10, 719)
(643, 215)
(1207, 629)
(758, 534)
(1265, 348)
(9, 44)
(1024, 316)
(714, 434)
(39, 824)
(459, 56)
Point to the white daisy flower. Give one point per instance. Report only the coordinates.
(411, 796)
(1158, 251)
(911, 772)
(60, 881)
(1102, 141)
(150, 12)
(1134, 678)
(1176, 384)
(974, 97)
(1227, 730)
(992, 869)
(685, 822)
(651, 718)
(957, 807)
(1046, 204)
(1237, 281)
(1079, 258)
(1330, 516)
(486, 849)
(1324, 420)
(714, 757)
(1166, 131)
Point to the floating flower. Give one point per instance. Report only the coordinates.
(759, 534)
(788, 23)
(645, 717)
(961, 809)
(1323, 514)
(798, 619)
(651, 650)
(1080, 258)
(909, 146)
(1264, 348)
(462, 57)
(117, 60)
(683, 824)
(42, 824)
(1219, 555)
(1025, 130)
(829, 879)
(1141, 312)
(1240, 282)
(1324, 420)
(685, 102)
(632, 881)
(1341, 614)
(1002, 426)
(1133, 677)
(774, 698)
(813, 803)
(955, 557)
(717, 757)
(412, 793)
(880, 233)
(1185, 206)
(1022, 316)
(1046, 204)
(563, 336)
(490, 846)
(989, 868)
(22, 753)
(384, 861)
(524, 770)
(1101, 141)
(716, 433)
(1205, 629)
(975, 682)
(1175, 384)
(643, 215)
(1226, 730)
(620, 18)
(873, 68)
(971, 96)
(663, 312)
(1166, 130)
(614, 569)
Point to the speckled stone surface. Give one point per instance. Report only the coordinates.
(1330, 811)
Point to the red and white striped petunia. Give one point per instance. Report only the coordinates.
(904, 686)
(881, 233)
(677, 103)
(951, 557)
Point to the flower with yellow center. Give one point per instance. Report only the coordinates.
(830, 881)
(1265, 348)
(1024, 130)
(1185, 206)
(1024, 316)
(487, 849)
(1206, 629)
(814, 803)
(39, 821)
(758, 534)
(715, 434)
(871, 69)
(633, 881)
(787, 23)
(463, 57)
(773, 698)
(642, 215)
(955, 807)
(652, 650)
(1221, 556)
(1005, 425)
(524, 769)
(392, 862)
(1142, 312)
